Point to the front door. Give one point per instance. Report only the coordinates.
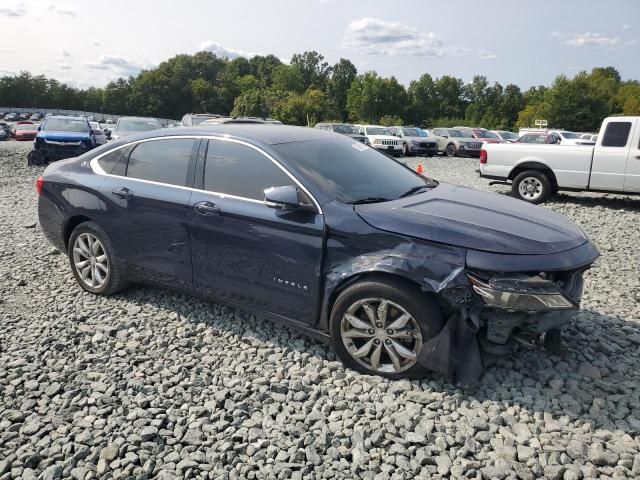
(611, 156)
(245, 252)
(146, 189)
(632, 175)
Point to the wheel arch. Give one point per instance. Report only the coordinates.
(533, 165)
(71, 224)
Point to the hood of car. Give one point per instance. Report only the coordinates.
(477, 220)
(489, 140)
(60, 136)
(383, 137)
(420, 139)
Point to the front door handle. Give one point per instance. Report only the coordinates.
(207, 208)
(122, 192)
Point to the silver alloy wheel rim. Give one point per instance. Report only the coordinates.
(90, 260)
(530, 188)
(381, 335)
(451, 150)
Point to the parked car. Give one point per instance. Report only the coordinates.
(3, 135)
(98, 133)
(481, 134)
(570, 138)
(591, 137)
(62, 137)
(132, 125)
(12, 117)
(505, 135)
(36, 117)
(6, 128)
(381, 139)
(454, 142)
(25, 130)
(345, 129)
(193, 119)
(296, 225)
(550, 138)
(230, 120)
(415, 141)
(109, 121)
(538, 171)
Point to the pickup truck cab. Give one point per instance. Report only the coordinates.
(536, 171)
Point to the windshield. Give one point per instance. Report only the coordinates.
(486, 134)
(25, 126)
(199, 119)
(508, 135)
(414, 132)
(569, 135)
(350, 171)
(65, 125)
(458, 133)
(345, 129)
(137, 125)
(377, 131)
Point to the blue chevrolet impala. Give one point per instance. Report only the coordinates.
(403, 274)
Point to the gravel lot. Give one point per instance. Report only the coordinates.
(155, 384)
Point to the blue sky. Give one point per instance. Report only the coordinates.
(522, 42)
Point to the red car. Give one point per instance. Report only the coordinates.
(541, 137)
(25, 131)
(481, 134)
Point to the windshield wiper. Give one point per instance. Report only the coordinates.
(370, 200)
(413, 190)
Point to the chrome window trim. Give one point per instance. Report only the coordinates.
(97, 169)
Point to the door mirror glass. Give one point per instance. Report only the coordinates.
(286, 198)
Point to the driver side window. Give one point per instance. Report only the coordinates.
(236, 169)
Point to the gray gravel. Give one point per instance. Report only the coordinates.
(155, 384)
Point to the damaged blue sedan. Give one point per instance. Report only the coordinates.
(403, 274)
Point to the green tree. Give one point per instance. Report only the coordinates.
(287, 78)
(314, 70)
(342, 76)
(423, 101)
(390, 120)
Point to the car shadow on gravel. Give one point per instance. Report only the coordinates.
(595, 381)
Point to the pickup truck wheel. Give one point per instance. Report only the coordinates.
(379, 326)
(532, 186)
(451, 150)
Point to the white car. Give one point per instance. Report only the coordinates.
(381, 139)
(536, 171)
(131, 125)
(570, 138)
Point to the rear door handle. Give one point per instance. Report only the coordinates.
(207, 208)
(122, 192)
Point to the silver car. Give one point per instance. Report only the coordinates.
(130, 125)
(454, 142)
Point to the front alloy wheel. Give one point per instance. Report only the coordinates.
(381, 335)
(378, 326)
(451, 150)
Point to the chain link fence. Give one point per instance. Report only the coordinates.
(97, 116)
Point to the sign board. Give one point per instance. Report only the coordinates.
(541, 123)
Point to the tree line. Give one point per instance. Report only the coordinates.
(309, 89)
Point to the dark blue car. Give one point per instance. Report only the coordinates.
(312, 228)
(61, 137)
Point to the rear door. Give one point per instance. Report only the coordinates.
(245, 252)
(148, 195)
(611, 155)
(632, 175)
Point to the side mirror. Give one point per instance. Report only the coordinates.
(444, 135)
(286, 198)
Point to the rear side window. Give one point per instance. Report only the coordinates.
(108, 161)
(616, 134)
(236, 169)
(164, 161)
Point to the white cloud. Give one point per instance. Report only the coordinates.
(8, 50)
(626, 26)
(487, 56)
(18, 10)
(64, 53)
(222, 51)
(115, 63)
(592, 39)
(96, 44)
(61, 10)
(4, 73)
(64, 66)
(374, 36)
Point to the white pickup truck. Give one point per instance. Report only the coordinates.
(536, 171)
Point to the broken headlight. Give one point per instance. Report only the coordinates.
(521, 292)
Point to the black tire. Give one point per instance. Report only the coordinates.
(418, 304)
(405, 150)
(36, 159)
(116, 276)
(451, 150)
(532, 186)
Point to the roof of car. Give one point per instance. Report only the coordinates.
(268, 134)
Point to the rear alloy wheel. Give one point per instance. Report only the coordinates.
(451, 150)
(531, 186)
(92, 261)
(379, 328)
